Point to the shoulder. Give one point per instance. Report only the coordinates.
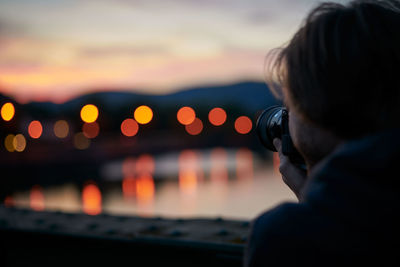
(285, 219)
(281, 235)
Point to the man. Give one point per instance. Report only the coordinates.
(340, 80)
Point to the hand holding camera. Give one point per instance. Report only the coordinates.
(273, 131)
(293, 176)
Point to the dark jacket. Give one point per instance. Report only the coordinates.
(349, 213)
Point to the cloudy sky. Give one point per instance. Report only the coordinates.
(56, 49)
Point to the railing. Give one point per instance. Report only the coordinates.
(55, 238)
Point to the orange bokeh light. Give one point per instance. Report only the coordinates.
(186, 115)
(36, 198)
(143, 114)
(129, 127)
(9, 143)
(61, 129)
(243, 125)
(7, 111)
(35, 129)
(81, 141)
(91, 130)
(9, 201)
(89, 113)
(145, 188)
(190, 172)
(188, 182)
(195, 127)
(91, 199)
(129, 186)
(19, 143)
(217, 116)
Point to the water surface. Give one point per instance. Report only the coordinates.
(229, 183)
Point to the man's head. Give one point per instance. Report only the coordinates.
(340, 74)
(341, 70)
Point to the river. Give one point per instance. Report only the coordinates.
(228, 183)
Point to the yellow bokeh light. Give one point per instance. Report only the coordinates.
(9, 143)
(89, 113)
(19, 143)
(143, 114)
(7, 111)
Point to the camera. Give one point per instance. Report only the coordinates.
(274, 123)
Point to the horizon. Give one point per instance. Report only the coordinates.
(134, 91)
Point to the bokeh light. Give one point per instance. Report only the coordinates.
(9, 143)
(188, 182)
(129, 187)
(190, 172)
(243, 125)
(9, 201)
(145, 164)
(91, 199)
(81, 141)
(89, 113)
(189, 160)
(19, 143)
(35, 129)
(129, 127)
(91, 130)
(36, 198)
(61, 129)
(143, 114)
(7, 111)
(195, 127)
(186, 115)
(244, 164)
(217, 116)
(128, 166)
(219, 165)
(145, 188)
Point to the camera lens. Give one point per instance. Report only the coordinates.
(269, 126)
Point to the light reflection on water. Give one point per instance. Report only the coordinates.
(192, 183)
(91, 199)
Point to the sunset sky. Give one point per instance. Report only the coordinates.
(52, 50)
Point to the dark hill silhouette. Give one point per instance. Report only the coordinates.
(249, 97)
(252, 96)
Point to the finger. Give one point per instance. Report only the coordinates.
(297, 177)
(283, 160)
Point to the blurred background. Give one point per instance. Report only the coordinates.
(139, 107)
